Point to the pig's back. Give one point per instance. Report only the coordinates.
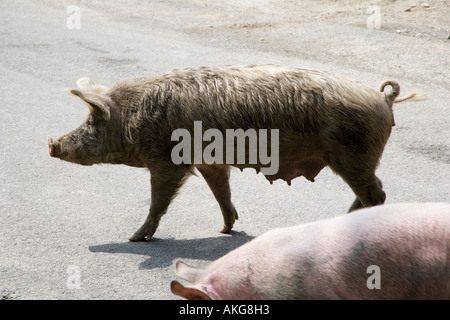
(408, 243)
(256, 96)
(329, 259)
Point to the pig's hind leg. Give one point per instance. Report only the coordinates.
(357, 204)
(367, 190)
(359, 173)
(217, 178)
(165, 182)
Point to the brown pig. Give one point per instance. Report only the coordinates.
(315, 119)
(399, 251)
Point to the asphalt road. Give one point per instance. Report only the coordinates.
(64, 228)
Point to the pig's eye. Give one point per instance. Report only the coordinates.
(90, 122)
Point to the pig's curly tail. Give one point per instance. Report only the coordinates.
(414, 95)
(391, 95)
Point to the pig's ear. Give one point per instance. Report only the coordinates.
(187, 272)
(94, 95)
(87, 85)
(97, 103)
(188, 293)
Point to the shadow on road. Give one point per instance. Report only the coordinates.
(163, 252)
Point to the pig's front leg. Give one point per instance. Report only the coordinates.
(217, 178)
(165, 183)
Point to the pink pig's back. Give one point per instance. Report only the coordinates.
(334, 258)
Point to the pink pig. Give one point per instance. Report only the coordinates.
(399, 251)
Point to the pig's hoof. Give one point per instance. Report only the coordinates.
(225, 229)
(135, 238)
(138, 236)
(144, 233)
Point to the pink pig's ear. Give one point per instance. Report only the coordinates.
(187, 272)
(188, 293)
(93, 95)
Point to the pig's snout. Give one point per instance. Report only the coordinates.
(64, 148)
(50, 147)
(53, 147)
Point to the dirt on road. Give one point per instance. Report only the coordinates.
(319, 30)
(422, 19)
